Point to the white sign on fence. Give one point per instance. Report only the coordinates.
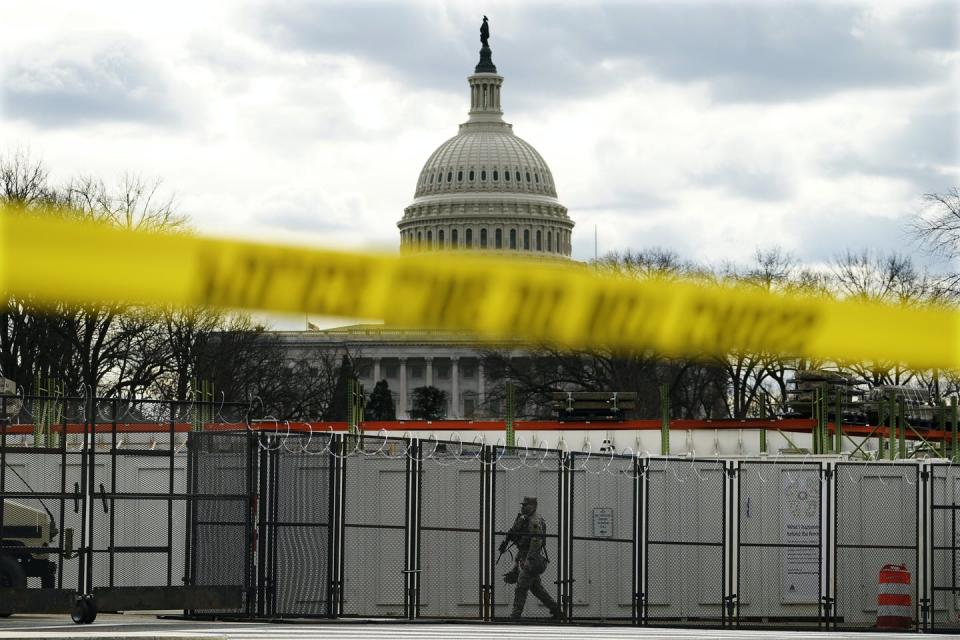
(800, 565)
(603, 522)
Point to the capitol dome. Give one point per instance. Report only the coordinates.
(485, 188)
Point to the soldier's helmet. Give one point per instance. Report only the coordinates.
(529, 500)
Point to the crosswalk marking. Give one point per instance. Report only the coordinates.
(346, 630)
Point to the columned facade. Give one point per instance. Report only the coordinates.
(486, 190)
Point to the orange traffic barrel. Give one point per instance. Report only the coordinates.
(894, 603)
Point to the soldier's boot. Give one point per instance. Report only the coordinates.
(544, 596)
(519, 600)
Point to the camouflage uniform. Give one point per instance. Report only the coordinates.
(529, 534)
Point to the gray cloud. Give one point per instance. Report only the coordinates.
(916, 154)
(747, 52)
(761, 185)
(114, 84)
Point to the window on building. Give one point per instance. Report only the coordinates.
(483, 238)
(498, 239)
(496, 175)
(518, 176)
(506, 176)
(528, 176)
(449, 176)
(483, 175)
(390, 372)
(468, 238)
(467, 370)
(419, 239)
(454, 240)
(513, 238)
(440, 238)
(539, 241)
(536, 178)
(442, 371)
(459, 176)
(365, 371)
(549, 241)
(471, 175)
(429, 239)
(526, 239)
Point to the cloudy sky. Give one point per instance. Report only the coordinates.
(709, 128)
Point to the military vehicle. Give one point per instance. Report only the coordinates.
(24, 526)
(30, 528)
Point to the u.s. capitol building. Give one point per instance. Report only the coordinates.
(484, 189)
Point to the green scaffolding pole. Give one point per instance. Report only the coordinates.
(902, 428)
(511, 437)
(815, 412)
(892, 428)
(664, 419)
(953, 429)
(838, 423)
(942, 425)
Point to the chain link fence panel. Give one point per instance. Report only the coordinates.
(686, 542)
(780, 553)
(876, 524)
(604, 499)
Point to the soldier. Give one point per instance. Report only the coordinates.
(529, 533)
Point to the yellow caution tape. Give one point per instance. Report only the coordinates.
(50, 259)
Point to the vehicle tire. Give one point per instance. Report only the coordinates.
(91, 611)
(80, 611)
(11, 575)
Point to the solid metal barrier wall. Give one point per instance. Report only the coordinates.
(780, 550)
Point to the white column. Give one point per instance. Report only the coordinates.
(376, 370)
(481, 385)
(455, 386)
(402, 408)
(429, 362)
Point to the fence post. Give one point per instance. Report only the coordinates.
(838, 422)
(892, 427)
(953, 429)
(902, 427)
(510, 437)
(664, 419)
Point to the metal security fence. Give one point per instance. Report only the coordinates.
(685, 542)
(876, 522)
(250, 522)
(942, 539)
(371, 526)
(605, 517)
(780, 550)
(94, 501)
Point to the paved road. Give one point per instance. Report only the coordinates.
(142, 627)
